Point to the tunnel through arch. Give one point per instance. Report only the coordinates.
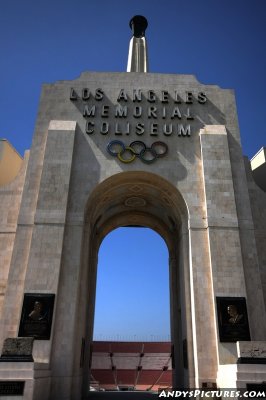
(142, 199)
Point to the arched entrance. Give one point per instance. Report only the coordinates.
(131, 345)
(142, 199)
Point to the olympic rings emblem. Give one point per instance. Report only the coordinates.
(128, 154)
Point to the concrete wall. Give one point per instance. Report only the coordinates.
(258, 210)
(10, 162)
(11, 187)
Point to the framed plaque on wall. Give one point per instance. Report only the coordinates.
(232, 319)
(37, 315)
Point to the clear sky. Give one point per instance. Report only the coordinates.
(132, 299)
(221, 42)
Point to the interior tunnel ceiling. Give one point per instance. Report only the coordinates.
(135, 199)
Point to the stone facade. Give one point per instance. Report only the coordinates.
(200, 197)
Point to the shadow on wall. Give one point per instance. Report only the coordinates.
(85, 175)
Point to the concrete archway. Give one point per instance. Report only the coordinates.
(142, 199)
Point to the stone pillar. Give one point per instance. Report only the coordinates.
(222, 224)
(49, 223)
(202, 307)
(37, 255)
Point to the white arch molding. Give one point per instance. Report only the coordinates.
(141, 199)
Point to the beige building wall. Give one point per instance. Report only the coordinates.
(258, 166)
(10, 162)
(258, 209)
(12, 176)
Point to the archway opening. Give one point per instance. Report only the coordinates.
(131, 347)
(147, 200)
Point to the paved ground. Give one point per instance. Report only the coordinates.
(122, 396)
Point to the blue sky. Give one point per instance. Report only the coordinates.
(221, 42)
(132, 300)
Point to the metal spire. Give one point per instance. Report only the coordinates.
(137, 54)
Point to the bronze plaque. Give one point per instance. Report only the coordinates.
(36, 316)
(232, 319)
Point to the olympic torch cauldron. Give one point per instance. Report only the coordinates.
(137, 54)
